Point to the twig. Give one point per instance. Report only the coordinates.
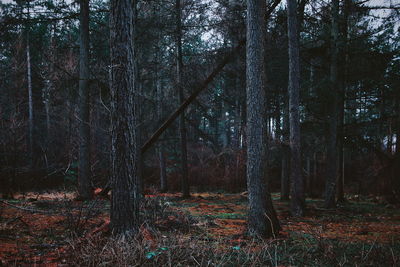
(26, 209)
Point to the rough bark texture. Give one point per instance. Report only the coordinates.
(297, 189)
(125, 152)
(332, 169)
(182, 126)
(84, 184)
(262, 219)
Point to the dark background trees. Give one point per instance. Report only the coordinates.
(364, 147)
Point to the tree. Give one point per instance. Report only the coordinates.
(285, 164)
(297, 189)
(262, 219)
(331, 170)
(125, 151)
(84, 181)
(182, 126)
(30, 92)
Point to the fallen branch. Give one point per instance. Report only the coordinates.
(26, 209)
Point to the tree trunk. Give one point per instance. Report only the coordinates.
(262, 219)
(30, 95)
(182, 126)
(343, 83)
(161, 153)
(285, 185)
(125, 151)
(297, 189)
(84, 183)
(30, 101)
(332, 169)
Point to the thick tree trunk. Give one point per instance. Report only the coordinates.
(332, 169)
(262, 219)
(125, 151)
(84, 183)
(182, 126)
(297, 201)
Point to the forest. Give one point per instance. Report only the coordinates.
(200, 133)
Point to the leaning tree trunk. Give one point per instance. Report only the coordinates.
(84, 184)
(125, 151)
(262, 219)
(331, 170)
(182, 126)
(297, 201)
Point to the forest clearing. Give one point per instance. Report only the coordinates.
(43, 230)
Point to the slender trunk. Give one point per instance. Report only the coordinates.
(182, 126)
(343, 84)
(30, 98)
(396, 163)
(84, 183)
(308, 175)
(332, 165)
(315, 176)
(285, 185)
(297, 201)
(125, 151)
(161, 153)
(262, 219)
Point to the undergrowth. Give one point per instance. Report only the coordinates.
(169, 237)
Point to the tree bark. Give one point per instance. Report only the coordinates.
(84, 179)
(297, 202)
(332, 169)
(125, 151)
(262, 219)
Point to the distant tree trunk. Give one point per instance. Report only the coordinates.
(332, 169)
(396, 163)
(30, 93)
(125, 151)
(314, 176)
(342, 91)
(84, 183)
(161, 153)
(182, 126)
(297, 201)
(262, 219)
(285, 185)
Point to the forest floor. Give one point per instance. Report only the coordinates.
(41, 228)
